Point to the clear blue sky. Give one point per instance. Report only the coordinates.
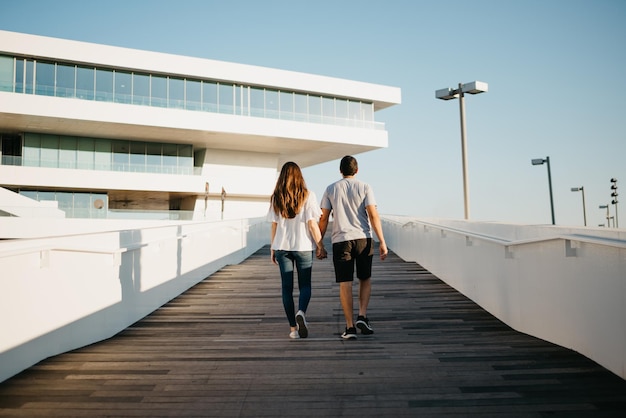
(556, 71)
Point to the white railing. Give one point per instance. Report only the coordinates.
(563, 285)
(65, 292)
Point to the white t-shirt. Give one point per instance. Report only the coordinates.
(293, 234)
(347, 199)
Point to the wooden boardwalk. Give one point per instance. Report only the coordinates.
(222, 350)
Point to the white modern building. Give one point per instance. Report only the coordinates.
(96, 131)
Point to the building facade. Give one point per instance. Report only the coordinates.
(98, 131)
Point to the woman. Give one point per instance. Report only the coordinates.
(294, 214)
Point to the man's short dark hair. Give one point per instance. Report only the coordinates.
(348, 166)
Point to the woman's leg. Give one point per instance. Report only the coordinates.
(304, 264)
(285, 263)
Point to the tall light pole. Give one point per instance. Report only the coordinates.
(474, 87)
(608, 216)
(582, 189)
(540, 161)
(614, 201)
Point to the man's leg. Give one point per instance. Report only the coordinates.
(345, 295)
(365, 290)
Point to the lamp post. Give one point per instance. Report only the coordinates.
(474, 87)
(540, 161)
(582, 189)
(608, 217)
(614, 201)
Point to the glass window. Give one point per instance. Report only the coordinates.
(315, 109)
(368, 111)
(82, 204)
(141, 89)
(185, 159)
(193, 95)
(170, 158)
(158, 96)
(286, 105)
(104, 85)
(85, 81)
(226, 98)
(241, 93)
(271, 104)
(153, 157)
(328, 109)
(6, 73)
(355, 113)
(341, 111)
(138, 156)
(257, 101)
(209, 96)
(30, 77)
(49, 151)
(32, 149)
(102, 154)
(44, 79)
(176, 95)
(121, 155)
(67, 152)
(123, 87)
(66, 78)
(85, 154)
(19, 76)
(301, 107)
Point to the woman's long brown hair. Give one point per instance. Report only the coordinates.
(290, 192)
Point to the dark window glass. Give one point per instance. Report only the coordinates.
(176, 94)
(257, 101)
(121, 155)
(226, 104)
(138, 156)
(6, 73)
(141, 89)
(193, 95)
(209, 96)
(123, 87)
(85, 77)
(66, 78)
(30, 77)
(44, 79)
(271, 104)
(19, 76)
(104, 85)
(158, 91)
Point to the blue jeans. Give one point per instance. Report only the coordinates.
(303, 261)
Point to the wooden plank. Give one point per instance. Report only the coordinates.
(222, 349)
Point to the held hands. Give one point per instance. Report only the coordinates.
(321, 253)
(383, 251)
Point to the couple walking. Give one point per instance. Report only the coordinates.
(298, 228)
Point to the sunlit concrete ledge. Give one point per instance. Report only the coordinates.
(565, 285)
(82, 281)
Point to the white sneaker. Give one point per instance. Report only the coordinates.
(294, 335)
(303, 331)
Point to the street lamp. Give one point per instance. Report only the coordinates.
(540, 161)
(475, 87)
(614, 201)
(582, 189)
(608, 217)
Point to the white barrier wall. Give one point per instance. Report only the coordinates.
(563, 285)
(64, 292)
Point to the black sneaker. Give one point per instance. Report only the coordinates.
(364, 325)
(349, 334)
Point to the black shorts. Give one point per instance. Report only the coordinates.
(347, 253)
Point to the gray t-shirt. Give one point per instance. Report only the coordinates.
(347, 199)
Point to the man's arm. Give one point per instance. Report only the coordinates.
(372, 213)
(324, 221)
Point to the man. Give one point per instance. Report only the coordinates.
(353, 206)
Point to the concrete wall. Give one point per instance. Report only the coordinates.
(563, 285)
(66, 291)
